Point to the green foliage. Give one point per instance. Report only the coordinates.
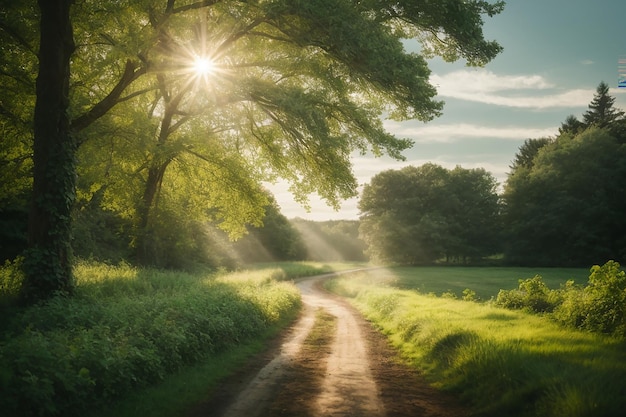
(600, 306)
(469, 295)
(18, 69)
(419, 215)
(525, 156)
(297, 90)
(532, 294)
(100, 235)
(276, 240)
(11, 278)
(128, 328)
(336, 240)
(560, 199)
(601, 112)
(564, 210)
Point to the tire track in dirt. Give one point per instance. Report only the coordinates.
(348, 388)
(354, 373)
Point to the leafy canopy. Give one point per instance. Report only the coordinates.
(421, 214)
(298, 85)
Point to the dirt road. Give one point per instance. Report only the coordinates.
(353, 372)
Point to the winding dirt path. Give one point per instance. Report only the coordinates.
(353, 372)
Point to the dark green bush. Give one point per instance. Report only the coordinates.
(532, 294)
(601, 305)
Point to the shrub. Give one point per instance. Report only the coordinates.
(470, 295)
(532, 294)
(601, 305)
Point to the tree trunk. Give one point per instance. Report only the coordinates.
(145, 253)
(47, 263)
(145, 241)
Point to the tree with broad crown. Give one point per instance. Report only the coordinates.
(567, 208)
(419, 215)
(304, 81)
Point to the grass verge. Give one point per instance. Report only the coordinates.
(127, 329)
(500, 362)
(177, 393)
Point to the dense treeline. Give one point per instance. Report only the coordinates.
(333, 240)
(563, 202)
(564, 197)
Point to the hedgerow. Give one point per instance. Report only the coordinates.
(599, 306)
(126, 329)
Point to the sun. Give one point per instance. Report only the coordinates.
(203, 66)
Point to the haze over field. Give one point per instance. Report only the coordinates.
(555, 54)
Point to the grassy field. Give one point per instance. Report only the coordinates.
(132, 337)
(501, 362)
(485, 281)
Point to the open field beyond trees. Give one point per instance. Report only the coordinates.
(485, 281)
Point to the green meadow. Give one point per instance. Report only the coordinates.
(500, 362)
(485, 281)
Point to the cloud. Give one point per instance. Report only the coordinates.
(483, 81)
(446, 133)
(587, 62)
(521, 91)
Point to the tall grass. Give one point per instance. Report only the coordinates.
(503, 363)
(127, 328)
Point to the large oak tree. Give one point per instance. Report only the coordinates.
(298, 86)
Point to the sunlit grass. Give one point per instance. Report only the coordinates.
(485, 281)
(501, 362)
(129, 328)
(290, 270)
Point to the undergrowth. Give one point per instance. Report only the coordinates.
(599, 306)
(127, 328)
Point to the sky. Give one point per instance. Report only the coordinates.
(556, 52)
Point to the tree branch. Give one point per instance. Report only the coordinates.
(19, 38)
(193, 6)
(131, 73)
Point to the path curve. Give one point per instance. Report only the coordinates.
(348, 389)
(359, 373)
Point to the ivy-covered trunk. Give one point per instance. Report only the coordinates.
(47, 263)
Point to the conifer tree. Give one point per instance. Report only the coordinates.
(601, 112)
